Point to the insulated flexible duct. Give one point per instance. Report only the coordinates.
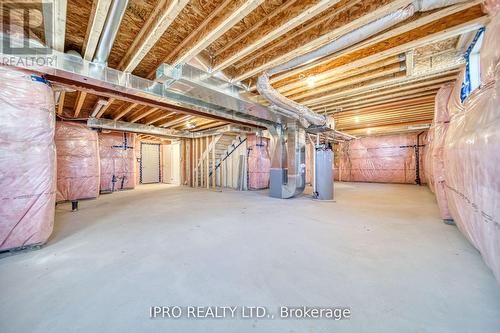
(306, 115)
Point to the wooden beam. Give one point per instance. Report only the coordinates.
(412, 25)
(55, 32)
(213, 123)
(437, 77)
(428, 94)
(287, 21)
(79, 102)
(176, 121)
(105, 108)
(384, 127)
(342, 29)
(237, 40)
(207, 172)
(322, 73)
(213, 163)
(217, 24)
(143, 114)
(386, 98)
(322, 93)
(195, 164)
(389, 111)
(407, 102)
(125, 111)
(161, 117)
(424, 86)
(300, 85)
(355, 117)
(164, 14)
(97, 20)
(60, 104)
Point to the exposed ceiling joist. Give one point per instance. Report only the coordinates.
(98, 15)
(383, 93)
(79, 102)
(299, 86)
(328, 74)
(175, 121)
(158, 22)
(60, 105)
(345, 28)
(431, 78)
(395, 88)
(322, 93)
(105, 108)
(218, 23)
(161, 117)
(143, 115)
(55, 24)
(377, 101)
(125, 111)
(288, 21)
(447, 11)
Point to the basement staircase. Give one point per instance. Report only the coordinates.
(220, 148)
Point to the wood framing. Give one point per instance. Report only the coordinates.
(158, 22)
(98, 15)
(79, 102)
(273, 27)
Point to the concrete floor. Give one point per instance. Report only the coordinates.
(380, 250)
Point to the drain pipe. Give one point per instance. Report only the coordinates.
(111, 26)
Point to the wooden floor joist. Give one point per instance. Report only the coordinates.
(79, 103)
(389, 76)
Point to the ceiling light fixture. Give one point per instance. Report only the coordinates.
(311, 81)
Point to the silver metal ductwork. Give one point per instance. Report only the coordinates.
(122, 126)
(108, 35)
(288, 169)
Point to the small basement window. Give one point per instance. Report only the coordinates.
(472, 78)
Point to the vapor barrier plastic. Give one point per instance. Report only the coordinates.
(490, 52)
(78, 170)
(27, 159)
(259, 162)
(116, 151)
(380, 159)
(471, 160)
(434, 159)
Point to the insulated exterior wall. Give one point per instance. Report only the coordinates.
(472, 158)
(434, 161)
(380, 159)
(27, 159)
(78, 170)
(259, 162)
(116, 151)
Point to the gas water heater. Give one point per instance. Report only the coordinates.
(323, 172)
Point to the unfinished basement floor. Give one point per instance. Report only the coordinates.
(380, 250)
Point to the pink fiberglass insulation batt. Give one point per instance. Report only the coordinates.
(435, 158)
(259, 162)
(116, 151)
(472, 159)
(380, 159)
(27, 159)
(77, 161)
